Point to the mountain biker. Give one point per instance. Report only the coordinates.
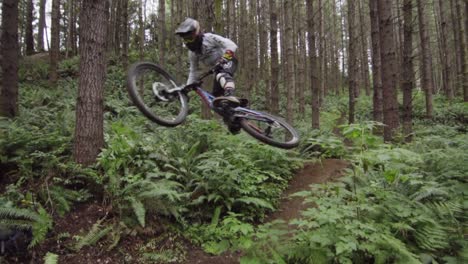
(210, 49)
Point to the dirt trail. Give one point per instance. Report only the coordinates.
(312, 173)
(290, 207)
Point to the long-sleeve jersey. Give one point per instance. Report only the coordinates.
(213, 48)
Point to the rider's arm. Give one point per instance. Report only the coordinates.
(194, 68)
(225, 43)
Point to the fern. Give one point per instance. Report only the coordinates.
(431, 237)
(94, 235)
(39, 222)
(41, 226)
(62, 198)
(51, 258)
(138, 209)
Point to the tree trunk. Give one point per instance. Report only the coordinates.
(55, 41)
(456, 46)
(376, 64)
(445, 54)
(262, 27)
(274, 67)
(141, 32)
(364, 55)
(9, 59)
(407, 70)
(301, 59)
(252, 62)
(118, 27)
(389, 64)
(352, 60)
(89, 134)
(425, 58)
(41, 26)
(315, 82)
(218, 17)
(464, 61)
(180, 51)
(162, 34)
(29, 28)
(70, 49)
(289, 63)
(124, 27)
(320, 55)
(233, 24)
(242, 43)
(111, 26)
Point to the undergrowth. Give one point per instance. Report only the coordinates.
(400, 203)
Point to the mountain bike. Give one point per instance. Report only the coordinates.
(156, 94)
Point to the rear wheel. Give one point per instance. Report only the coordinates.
(145, 81)
(269, 129)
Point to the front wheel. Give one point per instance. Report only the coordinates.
(147, 85)
(269, 129)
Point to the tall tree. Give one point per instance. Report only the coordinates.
(407, 69)
(162, 34)
(55, 41)
(301, 58)
(251, 68)
(141, 31)
(289, 63)
(352, 59)
(389, 64)
(426, 61)
(9, 59)
(89, 134)
(124, 28)
(262, 27)
(29, 27)
(364, 47)
(445, 54)
(376, 64)
(462, 48)
(456, 45)
(71, 48)
(274, 67)
(41, 26)
(313, 69)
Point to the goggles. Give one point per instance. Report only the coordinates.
(188, 37)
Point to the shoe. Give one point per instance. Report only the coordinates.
(234, 129)
(231, 101)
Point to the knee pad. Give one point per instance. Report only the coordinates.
(225, 80)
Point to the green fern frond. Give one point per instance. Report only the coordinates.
(398, 246)
(16, 213)
(41, 226)
(138, 209)
(429, 191)
(444, 209)
(256, 202)
(94, 235)
(431, 237)
(39, 222)
(51, 258)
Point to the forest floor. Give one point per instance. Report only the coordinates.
(130, 248)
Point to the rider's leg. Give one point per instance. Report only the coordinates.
(224, 79)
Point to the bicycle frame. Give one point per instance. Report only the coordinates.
(207, 99)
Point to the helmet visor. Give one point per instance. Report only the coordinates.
(188, 37)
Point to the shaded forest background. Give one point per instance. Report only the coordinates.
(298, 50)
(381, 84)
